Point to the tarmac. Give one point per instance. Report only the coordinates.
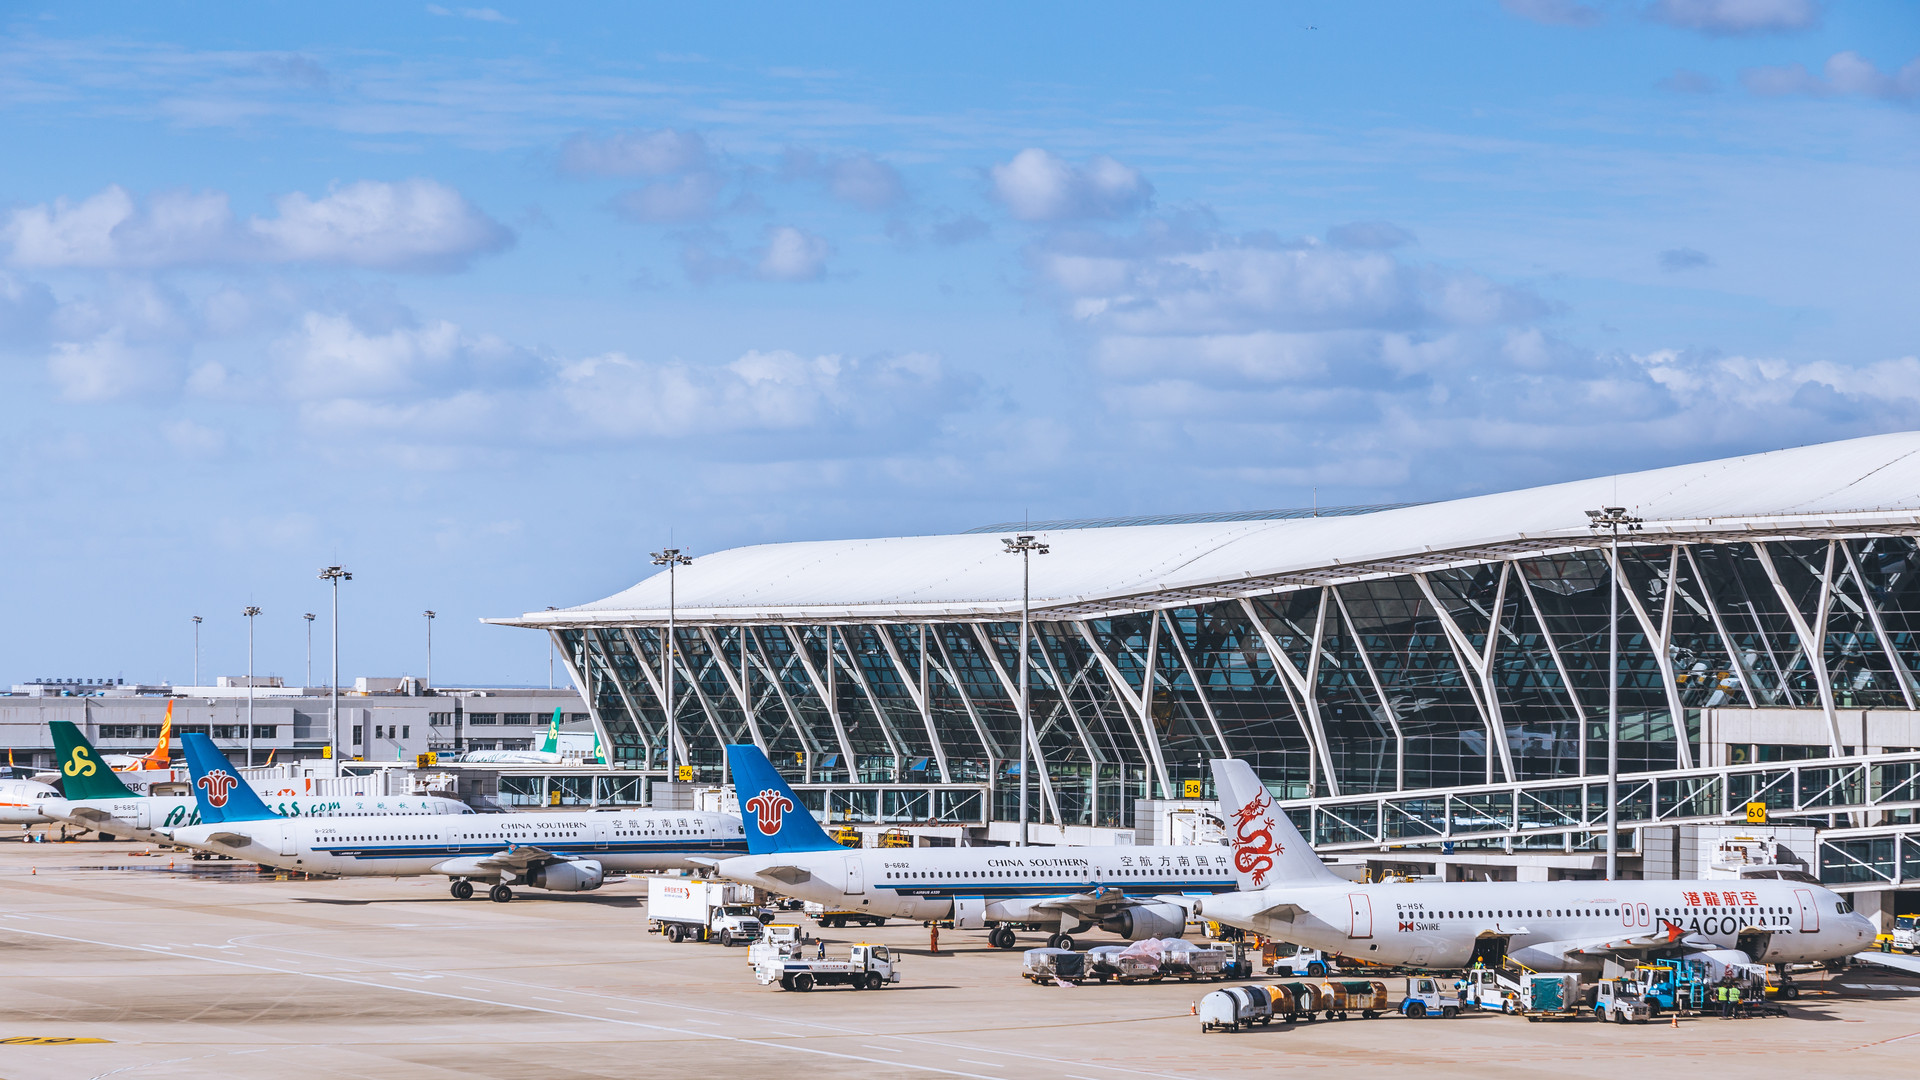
(183, 969)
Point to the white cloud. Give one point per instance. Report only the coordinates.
(109, 367)
(686, 198)
(25, 307)
(485, 14)
(410, 225)
(1734, 17)
(793, 255)
(195, 440)
(1844, 73)
(334, 356)
(860, 180)
(662, 152)
(1554, 12)
(1037, 186)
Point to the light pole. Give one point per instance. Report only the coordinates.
(672, 559)
(335, 575)
(1613, 519)
(1026, 548)
(196, 650)
(309, 618)
(250, 611)
(429, 617)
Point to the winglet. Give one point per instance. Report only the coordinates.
(776, 820)
(223, 794)
(1267, 849)
(82, 774)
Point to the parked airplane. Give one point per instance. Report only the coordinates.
(1119, 889)
(1546, 926)
(548, 754)
(24, 802)
(159, 759)
(94, 797)
(558, 852)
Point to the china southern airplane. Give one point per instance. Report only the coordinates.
(1547, 925)
(96, 798)
(557, 852)
(1120, 889)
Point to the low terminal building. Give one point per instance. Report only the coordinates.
(1423, 686)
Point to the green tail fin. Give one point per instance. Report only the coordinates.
(552, 745)
(83, 775)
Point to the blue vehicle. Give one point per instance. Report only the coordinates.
(1674, 985)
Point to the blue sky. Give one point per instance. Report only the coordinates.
(488, 303)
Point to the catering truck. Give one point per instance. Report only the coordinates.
(689, 909)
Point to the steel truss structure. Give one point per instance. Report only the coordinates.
(1466, 685)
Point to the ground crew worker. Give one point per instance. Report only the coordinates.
(933, 938)
(1733, 1004)
(1720, 994)
(821, 953)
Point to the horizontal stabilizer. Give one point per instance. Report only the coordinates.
(792, 875)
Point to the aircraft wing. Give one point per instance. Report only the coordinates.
(1668, 935)
(88, 813)
(1093, 904)
(519, 857)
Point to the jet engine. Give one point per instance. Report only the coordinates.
(581, 876)
(1148, 921)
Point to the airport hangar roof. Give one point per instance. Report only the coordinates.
(1868, 486)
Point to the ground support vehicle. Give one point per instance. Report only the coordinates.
(1490, 990)
(1122, 963)
(1674, 985)
(1619, 1000)
(1047, 967)
(1906, 933)
(1348, 996)
(1551, 997)
(689, 909)
(778, 939)
(1427, 997)
(840, 917)
(867, 967)
(1309, 1000)
(1185, 960)
(1237, 1008)
(1309, 962)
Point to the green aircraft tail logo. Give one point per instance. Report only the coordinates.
(84, 775)
(552, 745)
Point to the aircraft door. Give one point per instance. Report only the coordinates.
(140, 815)
(854, 884)
(1809, 912)
(1360, 916)
(600, 830)
(289, 836)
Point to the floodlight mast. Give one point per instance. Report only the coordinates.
(196, 650)
(250, 611)
(673, 559)
(1613, 519)
(309, 620)
(1026, 547)
(334, 575)
(429, 616)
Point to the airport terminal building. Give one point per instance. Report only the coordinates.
(1414, 678)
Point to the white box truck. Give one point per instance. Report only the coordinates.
(689, 909)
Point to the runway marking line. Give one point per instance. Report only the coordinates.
(424, 992)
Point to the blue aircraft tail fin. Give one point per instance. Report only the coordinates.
(223, 794)
(774, 817)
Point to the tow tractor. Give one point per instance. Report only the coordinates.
(1427, 997)
(1619, 1000)
(1489, 990)
(867, 967)
(1906, 933)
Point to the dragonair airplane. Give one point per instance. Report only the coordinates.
(1122, 890)
(94, 797)
(568, 852)
(1546, 926)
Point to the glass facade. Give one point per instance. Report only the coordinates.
(1441, 678)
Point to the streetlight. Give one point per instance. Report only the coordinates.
(196, 650)
(309, 617)
(1613, 519)
(672, 559)
(1026, 548)
(335, 575)
(250, 611)
(429, 617)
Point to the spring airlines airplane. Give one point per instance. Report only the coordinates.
(556, 852)
(95, 798)
(1119, 889)
(1547, 926)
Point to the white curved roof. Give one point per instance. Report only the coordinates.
(1869, 485)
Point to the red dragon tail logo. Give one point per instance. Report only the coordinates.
(217, 784)
(768, 808)
(1253, 843)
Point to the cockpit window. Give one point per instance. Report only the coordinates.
(1844, 907)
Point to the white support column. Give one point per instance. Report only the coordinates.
(946, 670)
(1900, 673)
(736, 685)
(1659, 641)
(1712, 604)
(851, 664)
(1479, 665)
(619, 684)
(1065, 689)
(1812, 642)
(1310, 727)
(827, 697)
(1012, 686)
(706, 704)
(1199, 684)
(1141, 709)
(776, 679)
(918, 692)
(1379, 691)
(1553, 650)
(670, 730)
(586, 688)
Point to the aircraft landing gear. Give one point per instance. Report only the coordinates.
(1001, 937)
(463, 889)
(1060, 941)
(500, 894)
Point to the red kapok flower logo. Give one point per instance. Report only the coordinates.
(217, 784)
(768, 808)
